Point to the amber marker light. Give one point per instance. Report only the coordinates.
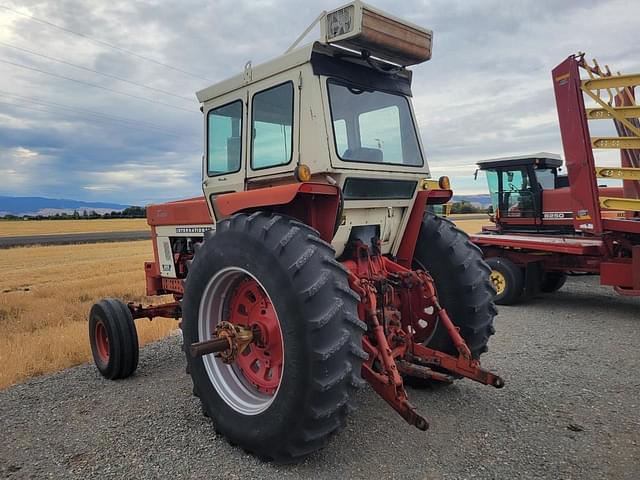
(303, 173)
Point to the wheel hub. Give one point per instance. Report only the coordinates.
(248, 379)
(498, 280)
(261, 360)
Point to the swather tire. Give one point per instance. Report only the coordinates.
(513, 278)
(111, 319)
(462, 282)
(321, 333)
(552, 281)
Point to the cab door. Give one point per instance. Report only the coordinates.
(519, 197)
(224, 165)
(272, 127)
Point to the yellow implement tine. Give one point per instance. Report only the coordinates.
(632, 111)
(627, 204)
(629, 80)
(618, 173)
(613, 113)
(615, 142)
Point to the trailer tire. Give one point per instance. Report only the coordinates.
(462, 281)
(552, 281)
(294, 273)
(508, 280)
(113, 338)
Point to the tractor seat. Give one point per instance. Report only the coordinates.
(363, 154)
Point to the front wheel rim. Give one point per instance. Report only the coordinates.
(251, 383)
(102, 342)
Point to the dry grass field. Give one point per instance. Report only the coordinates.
(51, 227)
(472, 226)
(47, 292)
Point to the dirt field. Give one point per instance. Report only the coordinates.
(46, 294)
(49, 227)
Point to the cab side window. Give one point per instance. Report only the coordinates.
(224, 143)
(271, 127)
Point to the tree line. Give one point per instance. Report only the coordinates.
(129, 212)
(467, 207)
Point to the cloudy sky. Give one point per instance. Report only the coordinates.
(73, 133)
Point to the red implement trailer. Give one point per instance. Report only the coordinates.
(548, 225)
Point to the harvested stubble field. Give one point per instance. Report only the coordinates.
(51, 227)
(46, 294)
(472, 226)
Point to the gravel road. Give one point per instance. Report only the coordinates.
(570, 409)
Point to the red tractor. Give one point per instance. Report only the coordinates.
(311, 265)
(549, 225)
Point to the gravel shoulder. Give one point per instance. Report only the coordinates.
(570, 409)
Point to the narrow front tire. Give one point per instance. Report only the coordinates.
(113, 338)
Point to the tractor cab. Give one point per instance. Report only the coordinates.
(310, 264)
(518, 187)
(336, 110)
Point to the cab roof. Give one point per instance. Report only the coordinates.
(327, 58)
(540, 160)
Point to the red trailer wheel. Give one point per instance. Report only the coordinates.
(507, 279)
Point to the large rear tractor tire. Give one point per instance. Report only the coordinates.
(462, 283)
(507, 279)
(113, 338)
(552, 281)
(286, 394)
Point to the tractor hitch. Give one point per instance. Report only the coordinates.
(394, 300)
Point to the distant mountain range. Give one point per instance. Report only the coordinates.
(482, 200)
(20, 206)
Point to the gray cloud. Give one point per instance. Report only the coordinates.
(487, 92)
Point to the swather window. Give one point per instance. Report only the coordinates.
(272, 124)
(517, 195)
(224, 146)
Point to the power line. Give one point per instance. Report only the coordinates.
(103, 43)
(118, 118)
(103, 119)
(31, 52)
(95, 85)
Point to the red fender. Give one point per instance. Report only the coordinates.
(411, 233)
(315, 204)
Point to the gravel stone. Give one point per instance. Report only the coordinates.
(570, 410)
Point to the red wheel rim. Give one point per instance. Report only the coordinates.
(261, 362)
(102, 342)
